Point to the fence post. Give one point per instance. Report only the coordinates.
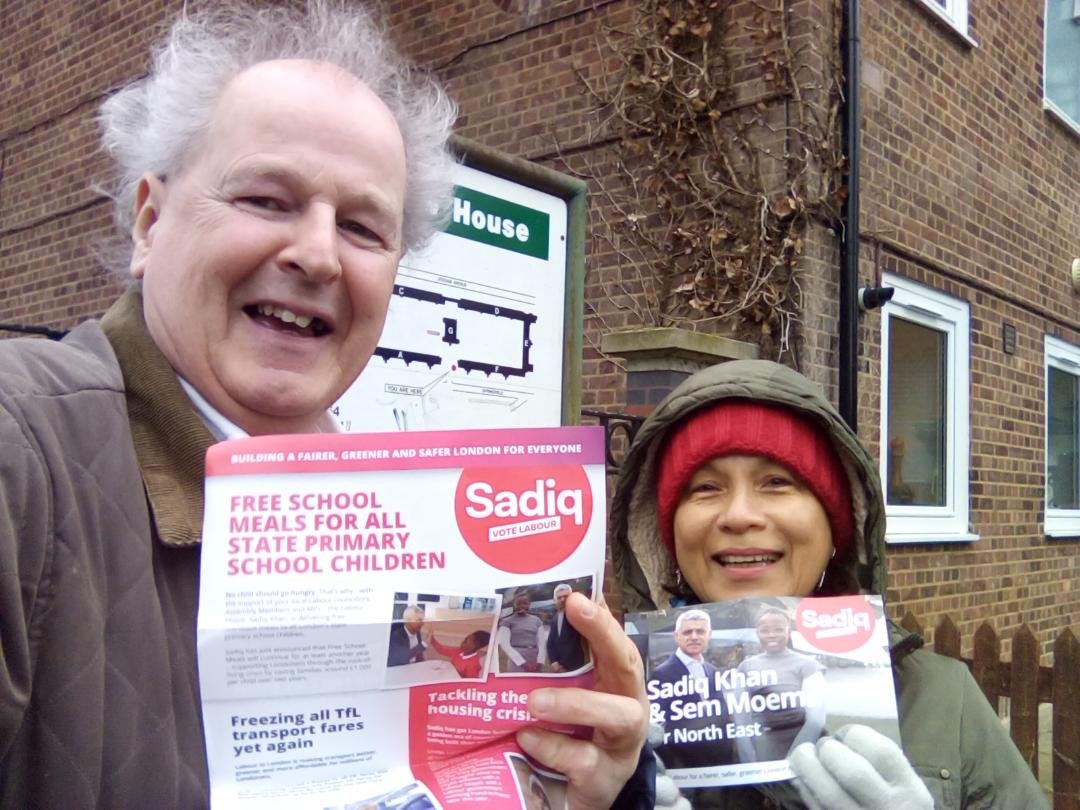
(947, 638)
(911, 624)
(986, 663)
(1024, 696)
(1066, 693)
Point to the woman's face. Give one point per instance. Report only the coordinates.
(746, 526)
(773, 632)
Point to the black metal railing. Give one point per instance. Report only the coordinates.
(619, 431)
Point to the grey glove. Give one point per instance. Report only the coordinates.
(667, 792)
(857, 769)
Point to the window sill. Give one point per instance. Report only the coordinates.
(1062, 534)
(941, 16)
(908, 539)
(1062, 117)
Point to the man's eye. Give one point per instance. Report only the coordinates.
(357, 229)
(264, 203)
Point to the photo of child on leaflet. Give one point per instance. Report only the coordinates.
(737, 685)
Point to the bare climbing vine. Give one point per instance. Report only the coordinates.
(725, 150)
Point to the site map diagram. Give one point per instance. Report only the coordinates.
(474, 333)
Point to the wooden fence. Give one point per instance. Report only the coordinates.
(1026, 684)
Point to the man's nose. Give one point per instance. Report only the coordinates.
(313, 245)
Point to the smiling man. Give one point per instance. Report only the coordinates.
(271, 169)
(692, 712)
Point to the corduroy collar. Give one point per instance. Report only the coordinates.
(170, 437)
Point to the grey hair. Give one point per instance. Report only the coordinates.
(695, 615)
(153, 124)
(412, 613)
(562, 586)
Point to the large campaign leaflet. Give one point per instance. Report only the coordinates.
(736, 685)
(375, 609)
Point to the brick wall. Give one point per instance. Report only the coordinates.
(967, 186)
(970, 188)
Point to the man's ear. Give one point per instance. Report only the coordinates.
(149, 195)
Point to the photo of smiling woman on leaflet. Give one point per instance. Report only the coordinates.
(746, 482)
(795, 673)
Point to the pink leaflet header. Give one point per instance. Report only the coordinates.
(413, 450)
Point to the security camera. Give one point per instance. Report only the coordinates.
(874, 297)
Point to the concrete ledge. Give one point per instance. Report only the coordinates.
(668, 348)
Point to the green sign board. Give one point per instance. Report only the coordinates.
(500, 223)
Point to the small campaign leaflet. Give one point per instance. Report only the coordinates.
(374, 610)
(737, 685)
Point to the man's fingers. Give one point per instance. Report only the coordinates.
(578, 759)
(614, 717)
(618, 664)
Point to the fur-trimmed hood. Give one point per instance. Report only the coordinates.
(641, 563)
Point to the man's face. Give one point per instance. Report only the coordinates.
(693, 637)
(521, 605)
(268, 259)
(414, 622)
(560, 599)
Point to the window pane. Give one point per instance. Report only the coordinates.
(915, 464)
(1063, 57)
(1061, 444)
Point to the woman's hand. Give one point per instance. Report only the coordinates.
(668, 796)
(857, 769)
(615, 708)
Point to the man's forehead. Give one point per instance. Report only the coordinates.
(282, 94)
(275, 71)
(694, 624)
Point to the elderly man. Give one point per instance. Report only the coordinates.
(272, 168)
(565, 652)
(407, 644)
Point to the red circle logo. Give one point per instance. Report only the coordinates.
(523, 519)
(837, 624)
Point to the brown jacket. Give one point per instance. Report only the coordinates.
(101, 462)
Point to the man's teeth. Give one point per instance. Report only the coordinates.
(286, 315)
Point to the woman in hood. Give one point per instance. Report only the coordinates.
(746, 482)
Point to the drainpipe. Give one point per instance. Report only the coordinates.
(849, 243)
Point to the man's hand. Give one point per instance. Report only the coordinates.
(615, 708)
(857, 769)
(557, 667)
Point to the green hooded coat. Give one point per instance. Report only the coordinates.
(951, 735)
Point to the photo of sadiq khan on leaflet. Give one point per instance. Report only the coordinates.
(737, 685)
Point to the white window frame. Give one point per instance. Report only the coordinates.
(1065, 357)
(954, 13)
(1048, 104)
(927, 307)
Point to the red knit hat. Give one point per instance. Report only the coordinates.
(744, 427)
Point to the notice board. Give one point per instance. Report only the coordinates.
(484, 325)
